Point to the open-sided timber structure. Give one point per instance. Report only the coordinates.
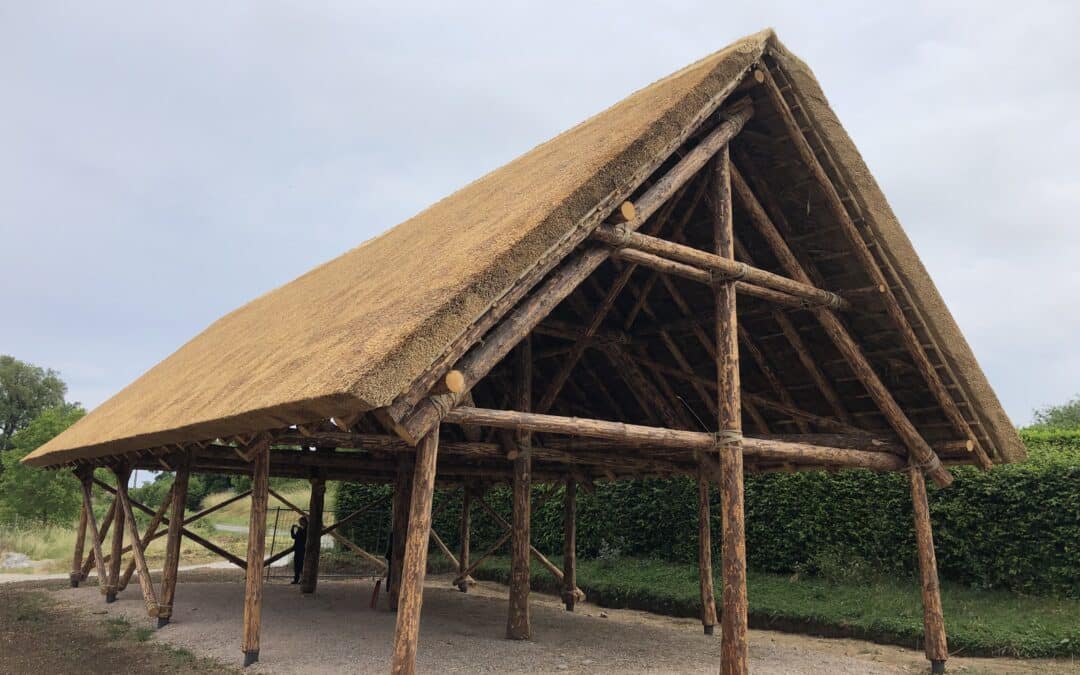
(703, 280)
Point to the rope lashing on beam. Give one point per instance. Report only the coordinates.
(930, 464)
(726, 437)
(740, 273)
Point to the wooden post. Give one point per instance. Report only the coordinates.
(399, 528)
(96, 537)
(464, 534)
(517, 621)
(734, 648)
(309, 576)
(569, 589)
(171, 568)
(407, 630)
(705, 571)
(145, 582)
(253, 587)
(937, 647)
(80, 541)
(122, 474)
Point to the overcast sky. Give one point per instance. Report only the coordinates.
(161, 165)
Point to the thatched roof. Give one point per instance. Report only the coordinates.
(354, 333)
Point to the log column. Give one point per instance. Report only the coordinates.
(172, 544)
(569, 589)
(734, 649)
(705, 571)
(309, 575)
(122, 475)
(937, 646)
(464, 534)
(80, 542)
(407, 632)
(253, 587)
(96, 536)
(399, 528)
(518, 625)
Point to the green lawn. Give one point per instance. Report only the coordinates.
(979, 623)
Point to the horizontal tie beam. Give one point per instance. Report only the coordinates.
(692, 263)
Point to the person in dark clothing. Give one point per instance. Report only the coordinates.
(299, 536)
(389, 558)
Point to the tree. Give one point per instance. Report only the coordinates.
(28, 493)
(1064, 416)
(25, 391)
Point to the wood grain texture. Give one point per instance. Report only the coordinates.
(411, 592)
(937, 647)
(705, 568)
(569, 586)
(253, 583)
(309, 575)
(733, 626)
(518, 623)
(172, 545)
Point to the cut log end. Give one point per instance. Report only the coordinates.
(455, 381)
(624, 214)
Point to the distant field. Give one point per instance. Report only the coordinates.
(50, 548)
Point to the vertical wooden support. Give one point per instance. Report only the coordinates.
(80, 543)
(464, 534)
(399, 528)
(170, 570)
(705, 570)
(145, 582)
(407, 632)
(569, 589)
(96, 537)
(937, 647)
(734, 649)
(117, 539)
(309, 576)
(518, 625)
(103, 530)
(253, 587)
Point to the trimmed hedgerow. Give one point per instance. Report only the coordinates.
(1016, 527)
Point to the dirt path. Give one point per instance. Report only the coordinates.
(334, 631)
(38, 636)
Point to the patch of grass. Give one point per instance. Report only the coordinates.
(40, 543)
(117, 627)
(888, 611)
(27, 608)
(142, 633)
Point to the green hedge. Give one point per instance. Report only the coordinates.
(1016, 527)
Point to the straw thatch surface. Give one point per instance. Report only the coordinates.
(354, 333)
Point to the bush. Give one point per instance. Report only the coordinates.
(1016, 527)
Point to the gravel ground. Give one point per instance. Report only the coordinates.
(334, 631)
